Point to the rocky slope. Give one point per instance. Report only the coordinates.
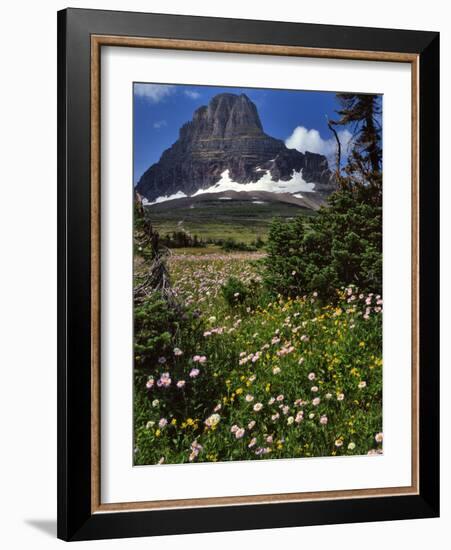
(227, 135)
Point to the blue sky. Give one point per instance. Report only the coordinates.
(297, 117)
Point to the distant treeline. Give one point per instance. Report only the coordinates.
(183, 239)
(230, 244)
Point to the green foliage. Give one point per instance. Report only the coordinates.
(235, 291)
(155, 325)
(238, 293)
(341, 246)
(166, 352)
(182, 239)
(230, 245)
(298, 378)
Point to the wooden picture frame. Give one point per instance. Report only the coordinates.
(81, 35)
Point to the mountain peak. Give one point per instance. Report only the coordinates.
(226, 116)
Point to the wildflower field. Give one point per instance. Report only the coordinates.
(236, 372)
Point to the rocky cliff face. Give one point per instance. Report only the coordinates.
(228, 135)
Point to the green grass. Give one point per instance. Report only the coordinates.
(216, 219)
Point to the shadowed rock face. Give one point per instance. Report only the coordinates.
(228, 134)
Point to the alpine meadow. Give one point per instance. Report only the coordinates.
(257, 274)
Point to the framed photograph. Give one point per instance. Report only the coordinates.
(248, 274)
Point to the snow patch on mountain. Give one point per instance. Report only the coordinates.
(294, 185)
(164, 198)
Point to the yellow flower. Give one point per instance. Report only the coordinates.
(239, 391)
(361, 344)
(157, 433)
(174, 422)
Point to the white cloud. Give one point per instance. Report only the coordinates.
(192, 94)
(153, 92)
(303, 140)
(159, 124)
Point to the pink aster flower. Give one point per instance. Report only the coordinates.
(150, 383)
(249, 398)
(251, 424)
(316, 401)
(252, 442)
(323, 420)
(194, 373)
(162, 423)
(280, 397)
(164, 381)
(239, 433)
(180, 383)
(311, 376)
(178, 352)
(258, 407)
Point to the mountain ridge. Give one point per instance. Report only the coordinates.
(227, 135)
